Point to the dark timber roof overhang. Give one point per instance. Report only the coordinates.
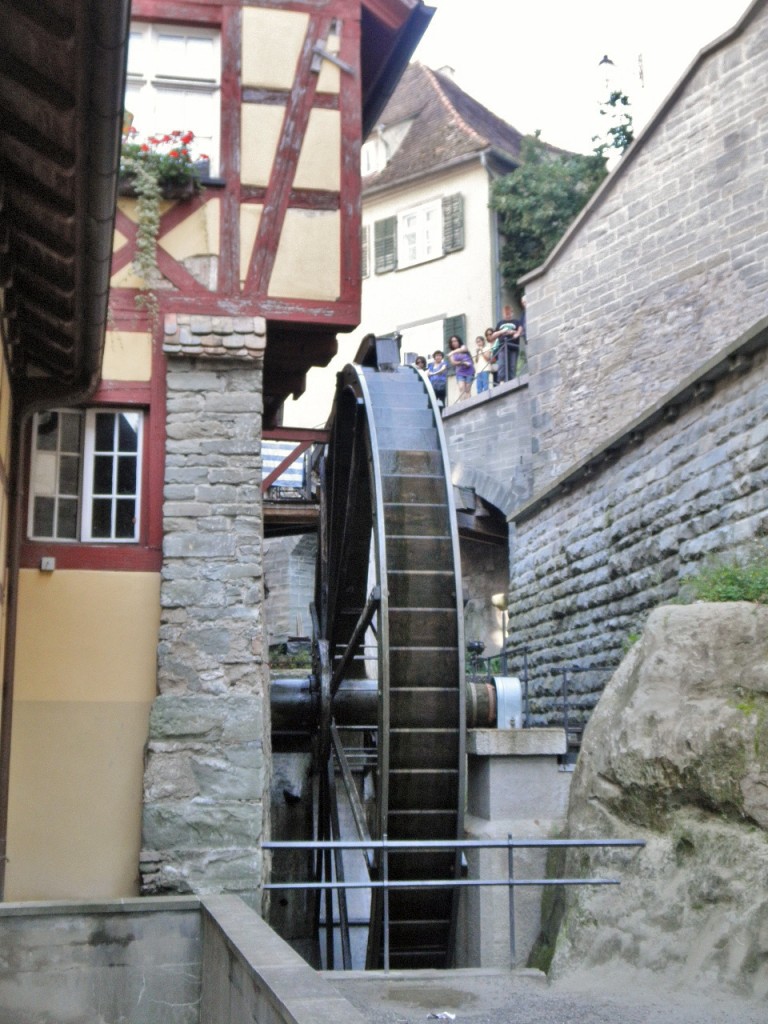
(62, 70)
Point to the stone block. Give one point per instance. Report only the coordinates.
(501, 787)
(191, 592)
(230, 720)
(199, 545)
(236, 773)
(516, 742)
(194, 824)
(206, 382)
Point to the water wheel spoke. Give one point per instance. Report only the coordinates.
(362, 624)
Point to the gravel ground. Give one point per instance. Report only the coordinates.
(526, 997)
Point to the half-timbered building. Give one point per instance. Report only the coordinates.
(135, 725)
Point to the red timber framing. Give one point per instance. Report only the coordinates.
(301, 332)
(189, 296)
(303, 439)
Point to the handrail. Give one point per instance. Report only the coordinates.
(388, 846)
(436, 844)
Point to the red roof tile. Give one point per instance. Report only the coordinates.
(448, 127)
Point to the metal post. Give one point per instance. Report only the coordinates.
(385, 879)
(504, 620)
(510, 876)
(526, 695)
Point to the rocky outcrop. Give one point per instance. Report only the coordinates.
(676, 753)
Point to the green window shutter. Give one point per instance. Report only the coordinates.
(454, 325)
(365, 266)
(453, 223)
(385, 245)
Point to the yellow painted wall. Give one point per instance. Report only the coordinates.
(196, 235)
(319, 163)
(307, 264)
(85, 681)
(250, 218)
(127, 356)
(272, 42)
(260, 129)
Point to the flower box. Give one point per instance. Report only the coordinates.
(169, 161)
(126, 186)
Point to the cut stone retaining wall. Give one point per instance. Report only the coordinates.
(489, 441)
(614, 538)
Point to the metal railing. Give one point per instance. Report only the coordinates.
(387, 846)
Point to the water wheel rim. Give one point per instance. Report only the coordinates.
(361, 451)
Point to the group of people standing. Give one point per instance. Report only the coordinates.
(494, 360)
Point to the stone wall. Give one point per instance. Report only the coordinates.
(289, 577)
(489, 441)
(206, 781)
(489, 446)
(668, 263)
(615, 538)
(484, 572)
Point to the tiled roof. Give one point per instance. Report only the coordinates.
(448, 126)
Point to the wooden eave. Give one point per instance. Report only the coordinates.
(390, 32)
(62, 71)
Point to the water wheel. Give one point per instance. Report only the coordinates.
(389, 652)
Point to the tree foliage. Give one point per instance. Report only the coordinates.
(620, 132)
(537, 202)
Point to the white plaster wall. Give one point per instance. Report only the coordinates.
(460, 282)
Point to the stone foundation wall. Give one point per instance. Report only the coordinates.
(206, 801)
(593, 556)
(489, 442)
(289, 577)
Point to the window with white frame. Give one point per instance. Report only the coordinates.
(419, 234)
(85, 481)
(373, 156)
(173, 84)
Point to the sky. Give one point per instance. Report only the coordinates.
(536, 64)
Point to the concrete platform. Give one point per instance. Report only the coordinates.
(487, 996)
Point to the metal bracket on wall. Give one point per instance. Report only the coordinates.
(319, 54)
